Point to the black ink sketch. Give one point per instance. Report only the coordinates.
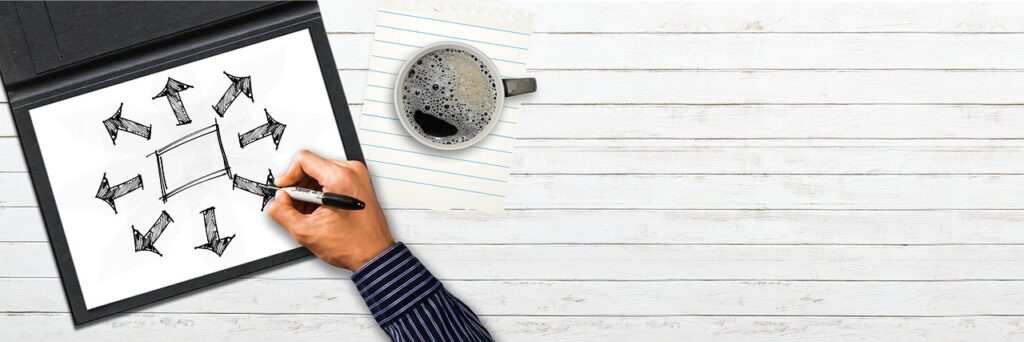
(272, 128)
(226, 170)
(214, 242)
(171, 90)
(145, 242)
(108, 193)
(117, 123)
(239, 85)
(254, 188)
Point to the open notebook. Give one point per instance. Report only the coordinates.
(407, 174)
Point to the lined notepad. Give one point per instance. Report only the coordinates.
(406, 173)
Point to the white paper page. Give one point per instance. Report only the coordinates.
(407, 173)
(78, 151)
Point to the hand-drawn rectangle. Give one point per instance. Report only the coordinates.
(191, 160)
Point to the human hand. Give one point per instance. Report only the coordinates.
(343, 238)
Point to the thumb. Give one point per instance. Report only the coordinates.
(282, 211)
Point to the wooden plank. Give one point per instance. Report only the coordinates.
(778, 87)
(22, 224)
(199, 327)
(776, 51)
(564, 17)
(649, 262)
(767, 156)
(761, 121)
(255, 327)
(11, 157)
(770, 121)
(752, 122)
(761, 87)
(766, 192)
(736, 51)
(7, 128)
(741, 51)
(905, 192)
(736, 156)
(16, 190)
(694, 227)
(572, 298)
(794, 51)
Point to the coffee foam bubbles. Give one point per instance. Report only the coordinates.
(452, 85)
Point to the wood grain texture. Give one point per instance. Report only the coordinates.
(592, 298)
(681, 227)
(256, 327)
(616, 262)
(581, 51)
(781, 172)
(673, 17)
(739, 121)
(778, 87)
(775, 157)
(716, 191)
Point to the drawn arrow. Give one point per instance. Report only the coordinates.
(239, 85)
(117, 123)
(109, 193)
(254, 188)
(171, 90)
(214, 242)
(145, 242)
(272, 129)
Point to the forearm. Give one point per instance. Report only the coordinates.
(410, 304)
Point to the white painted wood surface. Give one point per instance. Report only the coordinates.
(839, 172)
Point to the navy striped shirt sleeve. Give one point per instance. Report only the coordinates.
(410, 304)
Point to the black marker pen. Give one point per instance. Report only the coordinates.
(322, 198)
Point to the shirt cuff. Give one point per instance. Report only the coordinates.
(393, 282)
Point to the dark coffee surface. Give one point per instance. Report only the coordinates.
(449, 96)
(434, 126)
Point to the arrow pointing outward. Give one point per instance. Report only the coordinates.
(254, 188)
(239, 85)
(107, 193)
(214, 242)
(272, 129)
(117, 123)
(171, 90)
(145, 243)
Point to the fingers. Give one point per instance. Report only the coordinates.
(282, 211)
(354, 168)
(314, 172)
(307, 164)
(354, 165)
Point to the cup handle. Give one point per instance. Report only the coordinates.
(518, 86)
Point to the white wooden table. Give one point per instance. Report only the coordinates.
(718, 172)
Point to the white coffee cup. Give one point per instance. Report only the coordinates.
(506, 87)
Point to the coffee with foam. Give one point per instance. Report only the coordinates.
(449, 96)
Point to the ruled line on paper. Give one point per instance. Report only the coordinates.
(451, 37)
(454, 22)
(436, 185)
